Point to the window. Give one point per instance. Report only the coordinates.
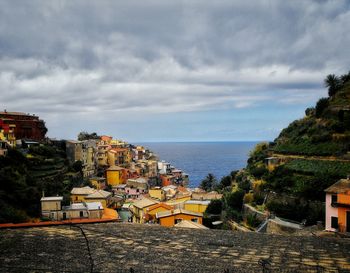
(194, 220)
(76, 198)
(334, 222)
(178, 221)
(334, 198)
(81, 214)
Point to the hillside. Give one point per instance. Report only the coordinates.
(308, 156)
(25, 175)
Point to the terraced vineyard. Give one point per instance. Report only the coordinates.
(310, 166)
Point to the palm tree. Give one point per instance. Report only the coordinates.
(333, 84)
(208, 183)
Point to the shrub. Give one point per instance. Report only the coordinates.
(214, 207)
(234, 200)
(248, 198)
(321, 105)
(252, 220)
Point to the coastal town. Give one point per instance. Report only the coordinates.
(129, 183)
(124, 182)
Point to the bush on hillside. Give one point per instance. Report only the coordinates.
(234, 200)
(215, 207)
(321, 105)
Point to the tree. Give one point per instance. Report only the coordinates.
(214, 207)
(225, 182)
(345, 78)
(208, 183)
(77, 166)
(310, 111)
(86, 136)
(333, 83)
(234, 200)
(321, 105)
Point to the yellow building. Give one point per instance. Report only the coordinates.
(140, 209)
(104, 197)
(196, 205)
(170, 218)
(98, 182)
(178, 201)
(77, 195)
(157, 193)
(114, 175)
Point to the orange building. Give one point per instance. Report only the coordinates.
(153, 210)
(167, 179)
(170, 218)
(118, 156)
(338, 206)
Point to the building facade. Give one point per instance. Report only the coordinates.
(27, 126)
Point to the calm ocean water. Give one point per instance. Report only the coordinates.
(200, 158)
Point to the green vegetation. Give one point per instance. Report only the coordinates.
(209, 183)
(86, 136)
(26, 175)
(336, 169)
(215, 207)
(312, 154)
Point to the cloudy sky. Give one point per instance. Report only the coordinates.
(170, 70)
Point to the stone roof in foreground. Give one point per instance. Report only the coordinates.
(121, 247)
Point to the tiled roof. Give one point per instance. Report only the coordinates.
(115, 168)
(163, 205)
(144, 203)
(199, 202)
(52, 198)
(99, 194)
(342, 186)
(190, 224)
(177, 211)
(83, 191)
(14, 113)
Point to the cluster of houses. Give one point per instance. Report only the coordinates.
(121, 161)
(168, 206)
(131, 179)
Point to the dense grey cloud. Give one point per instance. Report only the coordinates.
(123, 57)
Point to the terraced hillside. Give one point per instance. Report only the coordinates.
(25, 174)
(307, 157)
(121, 247)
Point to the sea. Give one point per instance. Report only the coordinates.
(197, 159)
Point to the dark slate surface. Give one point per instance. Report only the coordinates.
(120, 247)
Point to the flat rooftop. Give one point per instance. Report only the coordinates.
(123, 247)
